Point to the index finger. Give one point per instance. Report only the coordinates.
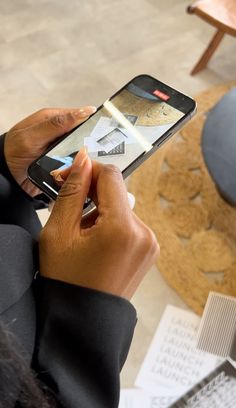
(110, 190)
(41, 116)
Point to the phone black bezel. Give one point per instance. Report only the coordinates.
(185, 104)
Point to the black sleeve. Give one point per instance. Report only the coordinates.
(41, 201)
(83, 341)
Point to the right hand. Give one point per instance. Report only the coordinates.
(113, 251)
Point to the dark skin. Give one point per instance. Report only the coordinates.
(112, 249)
(28, 139)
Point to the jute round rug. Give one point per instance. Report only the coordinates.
(195, 227)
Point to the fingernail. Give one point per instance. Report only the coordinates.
(54, 173)
(86, 111)
(58, 177)
(81, 157)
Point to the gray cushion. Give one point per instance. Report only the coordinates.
(219, 145)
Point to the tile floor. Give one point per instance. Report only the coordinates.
(70, 53)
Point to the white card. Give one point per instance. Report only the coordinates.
(103, 132)
(102, 127)
(104, 137)
(173, 364)
(91, 145)
(133, 398)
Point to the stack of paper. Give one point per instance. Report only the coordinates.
(173, 364)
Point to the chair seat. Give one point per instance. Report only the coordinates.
(219, 146)
(219, 13)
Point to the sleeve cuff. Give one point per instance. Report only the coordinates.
(4, 170)
(83, 341)
(41, 201)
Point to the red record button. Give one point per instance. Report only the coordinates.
(161, 95)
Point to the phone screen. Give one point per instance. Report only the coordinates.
(124, 128)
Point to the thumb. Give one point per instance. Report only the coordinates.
(69, 204)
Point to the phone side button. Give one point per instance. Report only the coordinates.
(166, 139)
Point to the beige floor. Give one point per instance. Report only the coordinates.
(75, 52)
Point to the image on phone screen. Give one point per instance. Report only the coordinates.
(124, 128)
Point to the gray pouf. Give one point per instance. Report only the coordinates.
(219, 145)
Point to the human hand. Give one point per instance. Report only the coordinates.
(109, 251)
(26, 141)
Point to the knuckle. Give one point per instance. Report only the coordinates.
(45, 113)
(71, 187)
(155, 248)
(70, 117)
(112, 170)
(149, 241)
(58, 121)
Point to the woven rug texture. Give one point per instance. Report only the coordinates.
(195, 227)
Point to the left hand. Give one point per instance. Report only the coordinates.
(26, 141)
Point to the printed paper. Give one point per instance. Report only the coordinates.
(173, 364)
(133, 398)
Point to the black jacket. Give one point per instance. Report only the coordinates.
(77, 339)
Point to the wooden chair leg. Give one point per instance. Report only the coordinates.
(202, 63)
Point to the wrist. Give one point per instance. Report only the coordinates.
(4, 169)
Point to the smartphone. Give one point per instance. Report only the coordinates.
(127, 129)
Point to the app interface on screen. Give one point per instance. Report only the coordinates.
(126, 127)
